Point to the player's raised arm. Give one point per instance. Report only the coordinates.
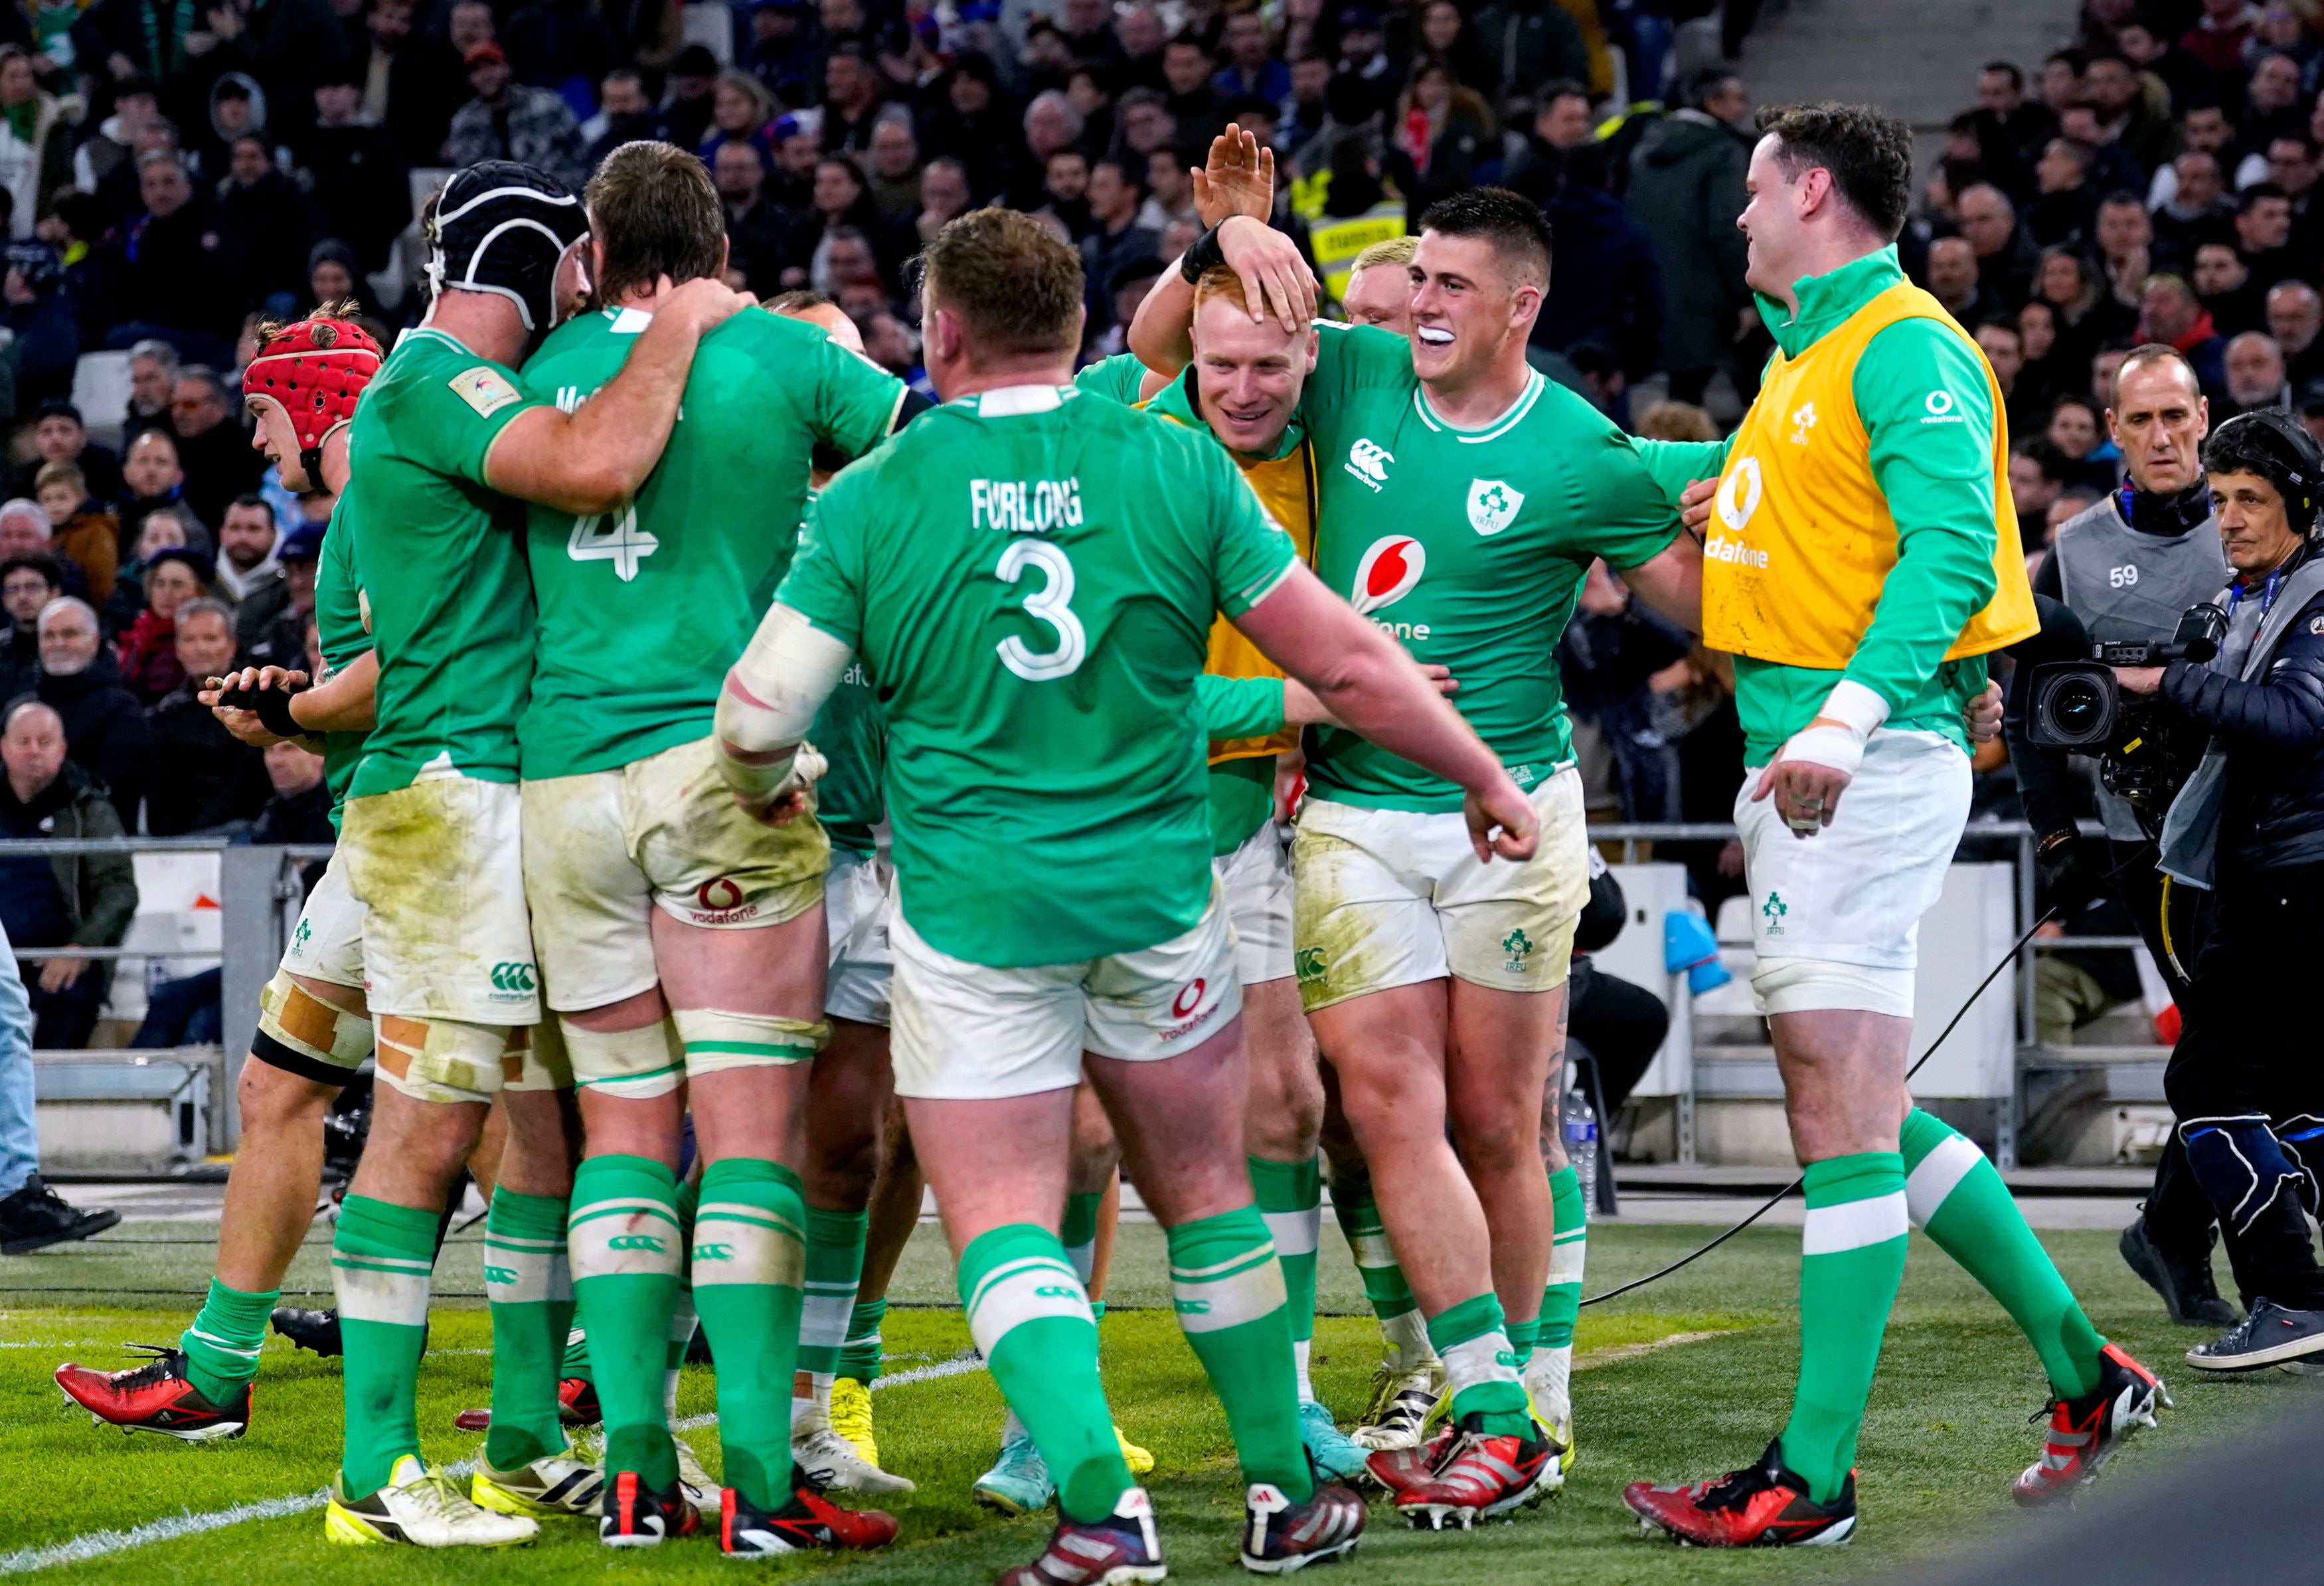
(1370, 685)
(1275, 280)
(592, 460)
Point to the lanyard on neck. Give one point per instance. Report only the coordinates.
(2267, 598)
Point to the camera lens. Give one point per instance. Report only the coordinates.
(2076, 707)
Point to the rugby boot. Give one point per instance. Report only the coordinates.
(1765, 1505)
(810, 1522)
(1279, 1536)
(155, 1396)
(2085, 1433)
(1122, 1548)
(424, 1509)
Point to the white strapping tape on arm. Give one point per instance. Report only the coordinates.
(1844, 722)
(770, 699)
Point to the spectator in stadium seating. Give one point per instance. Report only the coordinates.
(2012, 130)
(148, 649)
(1442, 128)
(624, 113)
(67, 900)
(1251, 66)
(280, 639)
(2038, 472)
(2271, 98)
(510, 120)
(1117, 191)
(153, 376)
(563, 46)
(851, 99)
(43, 317)
(1528, 41)
(80, 529)
(203, 778)
(2295, 315)
(741, 110)
(164, 528)
(2126, 238)
(2263, 234)
(299, 807)
(1064, 194)
(28, 582)
(2224, 284)
(1953, 282)
(2004, 253)
(248, 572)
(152, 480)
(216, 456)
(944, 196)
(36, 140)
(2256, 377)
(893, 168)
(2079, 432)
(754, 225)
(782, 52)
(419, 80)
(2004, 353)
(2066, 209)
(2198, 212)
(105, 731)
(1188, 93)
(693, 85)
(1561, 121)
(1611, 292)
(359, 172)
(274, 221)
(2169, 312)
(840, 202)
(177, 266)
(1685, 190)
(975, 121)
(59, 436)
(33, 1216)
(2125, 117)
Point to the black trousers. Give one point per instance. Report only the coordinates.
(2179, 1216)
(1615, 1027)
(2247, 1045)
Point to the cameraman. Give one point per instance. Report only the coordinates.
(2126, 568)
(2244, 1080)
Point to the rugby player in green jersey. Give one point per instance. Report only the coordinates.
(1462, 499)
(314, 1030)
(681, 940)
(442, 441)
(1031, 574)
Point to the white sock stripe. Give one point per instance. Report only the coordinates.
(1486, 1357)
(526, 1278)
(1083, 1259)
(586, 1210)
(729, 1250)
(223, 1347)
(380, 1263)
(643, 1240)
(379, 1293)
(1212, 1305)
(1566, 1262)
(522, 1241)
(745, 1212)
(1852, 1225)
(1928, 1184)
(1024, 1291)
(1302, 1354)
(1011, 1269)
(1217, 1269)
(1294, 1233)
(823, 1319)
(1372, 1251)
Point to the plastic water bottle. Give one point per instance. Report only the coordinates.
(1581, 1125)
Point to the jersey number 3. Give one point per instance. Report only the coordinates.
(619, 541)
(1049, 605)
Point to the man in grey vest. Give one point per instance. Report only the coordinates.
(2128, 568)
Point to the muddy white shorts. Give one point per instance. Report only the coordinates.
(856, 912)
(1386, 897)
(328, 942)
(1256, 877)
(964, 1031)
(1836, 916)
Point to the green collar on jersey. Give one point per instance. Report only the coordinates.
(1827, 301)
(1178, 401)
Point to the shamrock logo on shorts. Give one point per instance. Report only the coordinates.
(1773, 911)
(1517, 945)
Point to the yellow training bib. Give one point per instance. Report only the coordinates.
(1800, 539)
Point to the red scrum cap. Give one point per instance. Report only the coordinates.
(315, 369)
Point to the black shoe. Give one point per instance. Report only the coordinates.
(2270, 1336)
(310, 1329)
(2188, 1293)
(34, 1218)
(634, 1514)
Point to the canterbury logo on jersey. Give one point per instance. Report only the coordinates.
(1368, 460)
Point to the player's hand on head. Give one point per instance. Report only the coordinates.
(1981, 716)
(1501, 822)
(704, 301)
(1694, 505)
(1275, 279)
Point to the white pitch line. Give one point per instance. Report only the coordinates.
(176, 1527)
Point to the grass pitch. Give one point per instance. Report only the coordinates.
(1946, 1433)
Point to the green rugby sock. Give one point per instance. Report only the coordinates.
(1480, 1367)
(626, 1248)
(381, 1256)
(1228, 1289)
(1958, 1199)
(859, 1356)
(1523, 1336)
(1077, 1232)
(1561, 1300)
(749, 1255)
(1391, 1298)
(531, 1286)
(834, 1266)
(1290, 1197)
(1852, 1259)
(577, 1356)
(1030, 1319)
(223, 1343)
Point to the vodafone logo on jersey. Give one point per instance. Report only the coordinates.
(1388, 572)
(1189, 998)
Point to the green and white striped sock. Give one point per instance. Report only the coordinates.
(835, 1266)
(1290, 1197)
(1481, 1365)
(381, 1258)
(223, 1343)
(1851, 1260)
(529, 1284)
(750, 1256)
(1227, 1287)
(859, 1356)
(1549, 1374)
(1401, 1323)
(627, 1247)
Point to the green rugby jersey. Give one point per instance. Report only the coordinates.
(437, 555)
(643, 609)
(338, 626)
(853, 735)
(1468, 545)
(1031, 574)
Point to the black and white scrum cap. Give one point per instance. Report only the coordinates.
(501, 228)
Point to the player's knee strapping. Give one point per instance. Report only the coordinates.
(300, 1032)
(444, 1059)
(715, 1038)
(635, 1065)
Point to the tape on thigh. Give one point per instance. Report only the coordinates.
(536, 1058)
(444, 1059)
(305, 1026)
(715, 1038)
(632, 1064)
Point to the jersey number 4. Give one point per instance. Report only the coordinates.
(619, 541)
(1048, 605)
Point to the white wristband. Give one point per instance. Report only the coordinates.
(1846, 721)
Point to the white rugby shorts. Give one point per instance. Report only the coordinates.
(1386, 897)
(965, 1031)
(1257, 878)
(327, 943)
(1836, 916)
(856, 911)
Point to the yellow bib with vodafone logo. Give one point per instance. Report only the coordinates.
(1800, 539)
